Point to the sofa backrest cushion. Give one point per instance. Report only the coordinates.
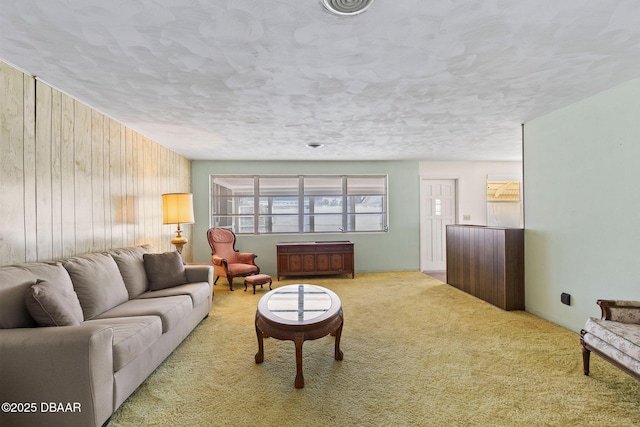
(15, 280)
(164, 270)
(97, 282)
(131, 266)
(53, 303)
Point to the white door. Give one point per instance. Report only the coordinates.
(437, 209)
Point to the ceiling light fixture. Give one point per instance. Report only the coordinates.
(346, 7)
(314, 145)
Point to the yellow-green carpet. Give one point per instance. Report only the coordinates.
(416, 352)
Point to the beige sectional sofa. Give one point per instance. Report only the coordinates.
(78, 336)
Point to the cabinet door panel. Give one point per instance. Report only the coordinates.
(337, 262)
(323, 262)
(309, 263)
(295, 263)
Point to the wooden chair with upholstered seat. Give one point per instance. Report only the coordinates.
(227, 260)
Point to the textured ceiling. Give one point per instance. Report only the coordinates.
(257, 79)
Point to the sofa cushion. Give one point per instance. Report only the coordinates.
(613, 353)
(164, 270)
(131, 336)
(97, 282)
(53, 304)
(199, 292)
(625, 311)
(14, 282)
(171, 310)
(624, 337)
(131, 266)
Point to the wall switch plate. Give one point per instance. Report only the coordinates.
(565, 298)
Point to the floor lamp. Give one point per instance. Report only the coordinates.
(177, 208)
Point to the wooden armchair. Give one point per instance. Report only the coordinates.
(615, 337)
(227, 261)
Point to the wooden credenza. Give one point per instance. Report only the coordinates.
(315, 258)
(488, 263)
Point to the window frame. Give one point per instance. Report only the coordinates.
(263, 221)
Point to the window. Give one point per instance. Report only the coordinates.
(299, 204)
(504, 207)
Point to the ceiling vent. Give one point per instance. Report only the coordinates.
(346, 7)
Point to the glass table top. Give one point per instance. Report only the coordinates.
(299, 302)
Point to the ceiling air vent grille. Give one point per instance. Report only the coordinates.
(346, 7)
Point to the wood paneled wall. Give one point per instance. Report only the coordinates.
(73, 180)
(488, 263)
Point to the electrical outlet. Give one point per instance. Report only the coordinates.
(466, 217)
(565, 298)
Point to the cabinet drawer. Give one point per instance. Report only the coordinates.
(334, 249)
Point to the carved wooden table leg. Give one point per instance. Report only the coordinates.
(260, 354)
(298, 339)
(338, 354)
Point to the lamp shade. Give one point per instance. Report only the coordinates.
(177, 208)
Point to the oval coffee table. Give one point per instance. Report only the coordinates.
(298, 313)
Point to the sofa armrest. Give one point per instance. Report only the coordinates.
(624, 311)
(66, 364)
(199, 273)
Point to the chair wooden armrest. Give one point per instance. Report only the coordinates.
(625, 311)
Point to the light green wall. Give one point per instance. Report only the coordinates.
(581, 176)
(397, 250)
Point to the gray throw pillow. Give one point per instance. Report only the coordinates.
(164, 270)
(53, 304)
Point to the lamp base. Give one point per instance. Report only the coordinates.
(179, 241)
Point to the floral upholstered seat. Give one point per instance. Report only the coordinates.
(615, 337)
